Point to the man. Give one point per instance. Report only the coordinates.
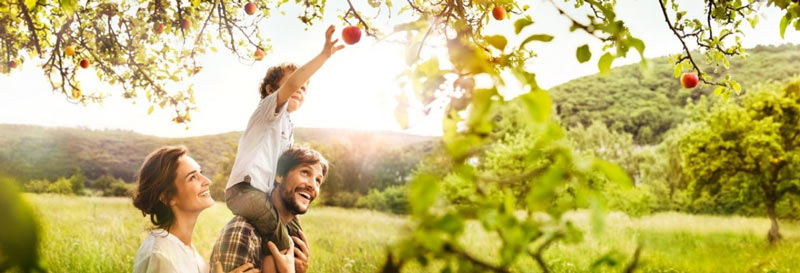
(299, 175)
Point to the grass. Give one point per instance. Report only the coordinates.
(93, 234)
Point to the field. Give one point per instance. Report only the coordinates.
(91, 234)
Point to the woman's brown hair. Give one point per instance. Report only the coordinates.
(156, 185)
(272, 79)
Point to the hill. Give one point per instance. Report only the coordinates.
(648, 105)
(34, 152)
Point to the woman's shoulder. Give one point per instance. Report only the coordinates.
(160, 242)
(162, 250)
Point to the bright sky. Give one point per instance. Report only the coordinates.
(354, 89)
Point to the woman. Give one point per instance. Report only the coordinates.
(173, 191)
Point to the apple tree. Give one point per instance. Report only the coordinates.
(750, 150)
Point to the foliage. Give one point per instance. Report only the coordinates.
(120, 188)
(36, 186)
(61, 186)
(390, 199)
(748, 152)
(21, 234)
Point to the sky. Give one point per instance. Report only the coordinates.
(354, 89)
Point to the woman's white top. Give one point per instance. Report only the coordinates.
(163, 252)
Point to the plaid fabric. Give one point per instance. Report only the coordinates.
(239, 243)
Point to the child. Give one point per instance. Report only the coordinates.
(268, 135)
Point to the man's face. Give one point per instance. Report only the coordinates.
(300, 187)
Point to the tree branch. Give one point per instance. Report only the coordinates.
(685, 48)
(26, 15)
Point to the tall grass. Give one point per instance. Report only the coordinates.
(92, 234)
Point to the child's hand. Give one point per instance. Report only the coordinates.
(330, 46)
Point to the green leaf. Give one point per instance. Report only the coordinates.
(401, 115)
(538, 104)
(583, 54)
(605, 63)
(678, 70)
(736, 87)
(150, 110)
(68, 6)
(422, 193)
(195, 3)
(521, 23)
(784, 24)
(637, 44)
(497, 41)
(613, 172)
(31, 4)
(536, 37)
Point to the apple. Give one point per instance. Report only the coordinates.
(12, 64)
(250, 8)
(69, 51)
(689, 80)
(259, 54)
(186, 24)
(499, 13)
(158, 28)
(84, 63)
(351, 35)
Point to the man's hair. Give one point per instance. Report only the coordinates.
(297, 156)
(156, 185)
(272, 79)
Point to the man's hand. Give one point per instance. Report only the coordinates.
(301, 253)
(330, 47)
(282, 261)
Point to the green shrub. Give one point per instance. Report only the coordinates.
(342, 199)
(119, 188)
(392, 199)
(36, 186)
(61, 186)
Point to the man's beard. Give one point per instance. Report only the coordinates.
(287, 197)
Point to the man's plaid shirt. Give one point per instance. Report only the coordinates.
(239, 243)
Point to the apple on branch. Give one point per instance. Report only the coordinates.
(351, 35)
(250, 8)
(499, 13)
(689, 80)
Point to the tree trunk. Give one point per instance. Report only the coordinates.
(774, 234)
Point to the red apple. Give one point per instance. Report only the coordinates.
(689, 80)
(158, 28)
(84, 63)
(250, 8)
(259, 54)
(499, 13)
(12, 64)
(351, 35)
(186, 24)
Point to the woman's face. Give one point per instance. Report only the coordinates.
(192, 187)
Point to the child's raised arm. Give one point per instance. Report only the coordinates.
(300, 76)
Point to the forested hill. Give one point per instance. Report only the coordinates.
(34, 152)
(649, 105)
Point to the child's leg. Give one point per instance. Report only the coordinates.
(246, 201)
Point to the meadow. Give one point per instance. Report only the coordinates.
(98, 234)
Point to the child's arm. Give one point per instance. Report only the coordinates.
(300, 76)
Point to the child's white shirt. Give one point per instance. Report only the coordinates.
(268, 135)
